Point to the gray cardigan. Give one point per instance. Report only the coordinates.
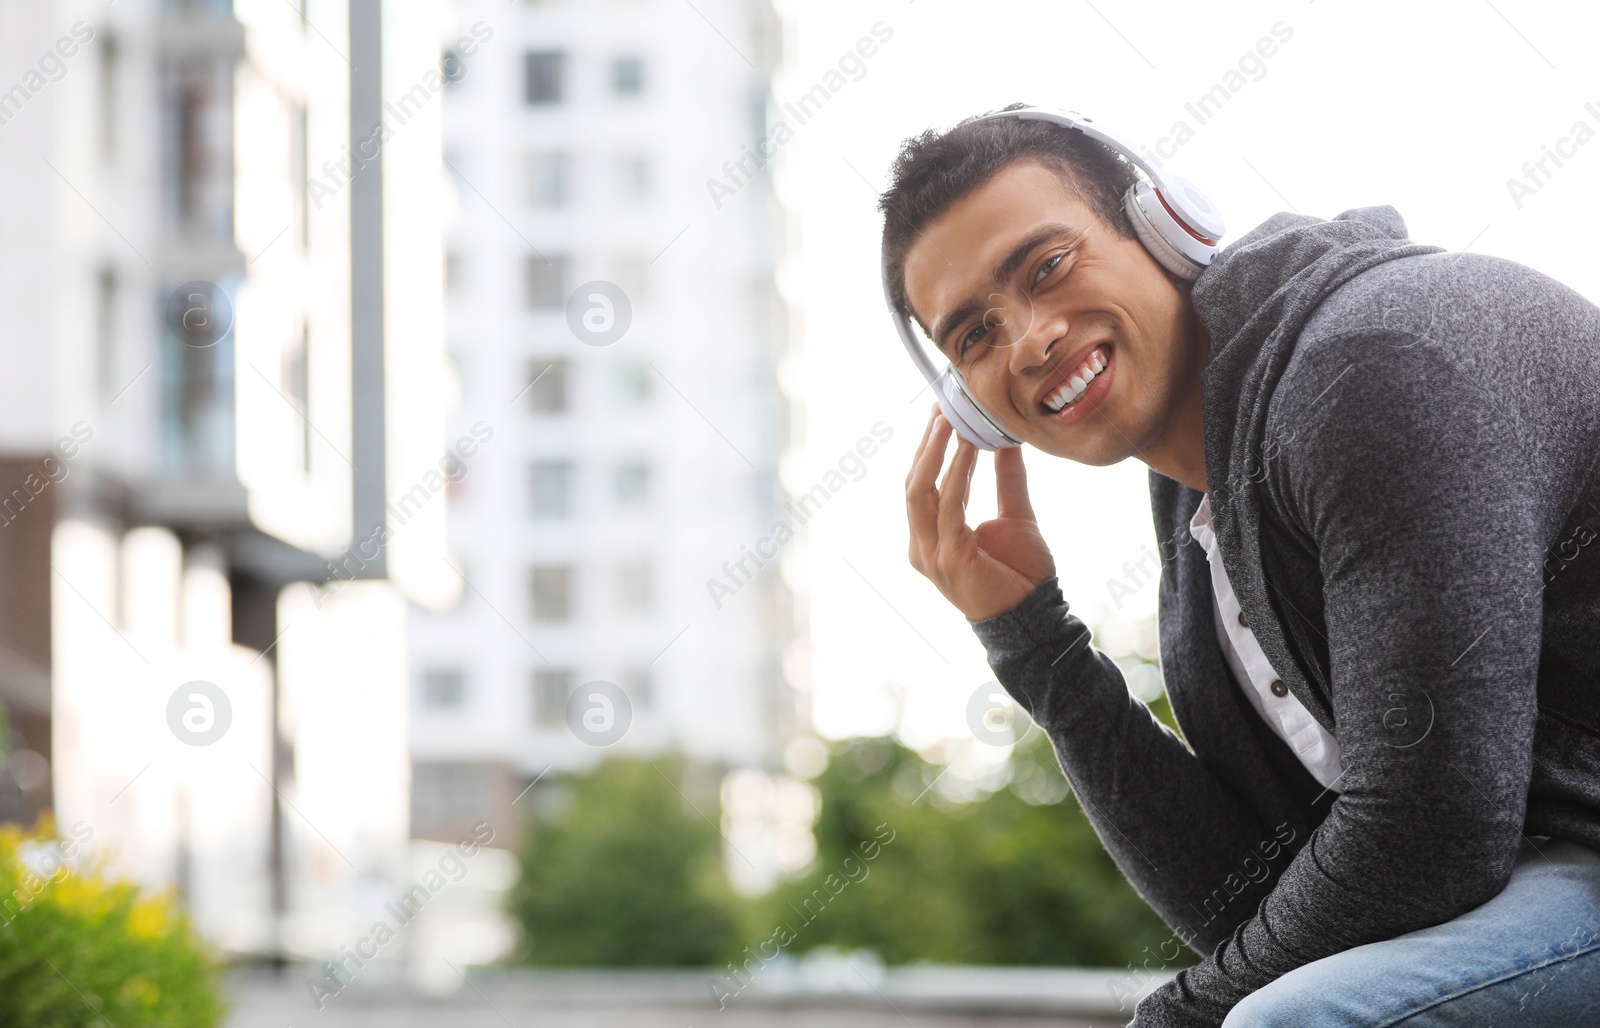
(1401, 449)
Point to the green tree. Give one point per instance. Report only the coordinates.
(1016, 877)
(625, 872)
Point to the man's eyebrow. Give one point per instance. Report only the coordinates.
(1002, 273)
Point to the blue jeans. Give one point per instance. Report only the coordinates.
(1529, 958)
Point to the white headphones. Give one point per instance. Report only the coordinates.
(1173, 219)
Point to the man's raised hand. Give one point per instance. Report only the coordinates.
(983, 571)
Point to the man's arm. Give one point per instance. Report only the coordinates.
(1179, 834)
(1410, 474)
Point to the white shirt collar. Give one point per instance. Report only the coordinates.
(1200, 524)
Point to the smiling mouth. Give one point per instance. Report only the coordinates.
(1076, 383)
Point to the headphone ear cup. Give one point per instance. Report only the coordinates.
(1139, 201)
(966, 417)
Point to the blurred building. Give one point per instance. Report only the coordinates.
(618, 328)
(221, 421)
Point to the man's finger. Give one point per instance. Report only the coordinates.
(952, 521)
(922, 501)
(927, 430)
(1011, 482)
(966, 479)
(925, 469)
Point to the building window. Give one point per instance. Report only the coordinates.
(635, 587)
(444, 689)
(633, 176)
(631, 483)
(627, 75)
(110, 85)
(633, 382)
(454, 68)
(197, 385)
(545, 282)
(105, 334)
(452, 272)
(551, 689)
(632, 275)
(294, 373)
(550, 587)
(637, 685)
(547, 388)
(550, 485)
(542, 72)
(547, 179)
(300, 174)
(457, 364)
(444, 796)
(196, 145)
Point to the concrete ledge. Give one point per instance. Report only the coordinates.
(774, 995)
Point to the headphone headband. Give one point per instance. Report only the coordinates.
(1173, 219)
(1202, 220)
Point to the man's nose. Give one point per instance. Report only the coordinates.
(1033, 345)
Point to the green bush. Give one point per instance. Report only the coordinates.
(626, 873)
(1015, 877)
(78, 948)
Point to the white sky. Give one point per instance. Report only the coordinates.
(1428, 108)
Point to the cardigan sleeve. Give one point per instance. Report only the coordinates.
(1176, 830)
(1410, 474)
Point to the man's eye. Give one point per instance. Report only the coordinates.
(972, 337)
(1047, 267)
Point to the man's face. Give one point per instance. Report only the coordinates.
(1023, 288)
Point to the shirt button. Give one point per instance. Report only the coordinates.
(1242, 620)
(1278, 688)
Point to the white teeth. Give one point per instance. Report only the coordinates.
(1079, 382)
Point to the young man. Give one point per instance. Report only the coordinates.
(1373, 477)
